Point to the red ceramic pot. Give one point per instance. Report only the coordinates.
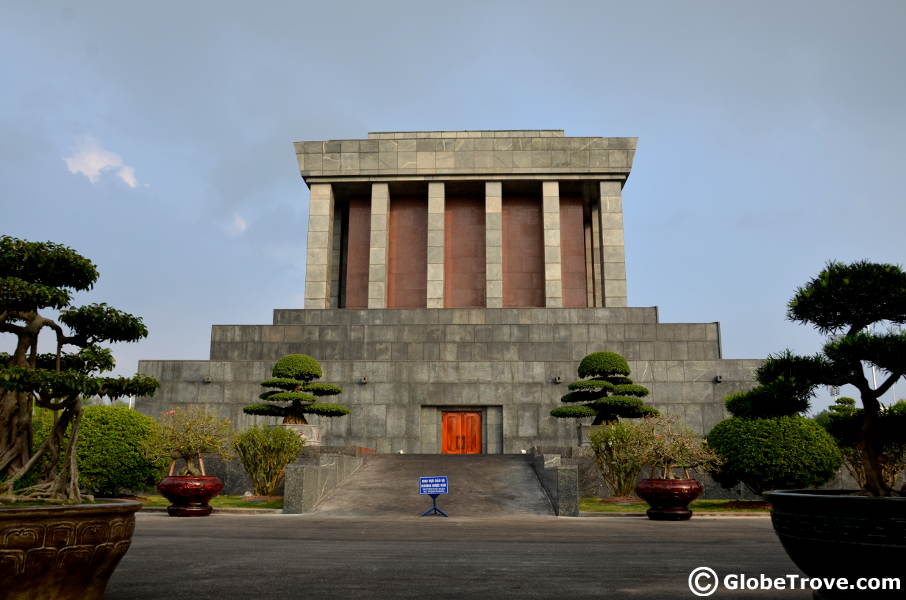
(669, 498)
(189, 494)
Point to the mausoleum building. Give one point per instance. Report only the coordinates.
(454, 279)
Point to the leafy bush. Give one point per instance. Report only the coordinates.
(783, 397)
(186, 434)
(623, 448)
(110, 449)
(620, 450)
(672, 447)
(265, 452)
(779, 453)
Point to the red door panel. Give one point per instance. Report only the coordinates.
(461, 433)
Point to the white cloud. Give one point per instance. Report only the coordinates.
(238, 225)
(127, 174)
(92, 161)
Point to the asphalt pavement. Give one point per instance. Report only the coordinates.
(280, 556)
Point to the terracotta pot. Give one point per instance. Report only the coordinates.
(669, 498)
(189, 494)
(833, 533)
(63, 552)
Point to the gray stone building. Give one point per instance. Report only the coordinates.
(454, 281)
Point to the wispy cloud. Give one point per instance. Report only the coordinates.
(92, 160)
(237, 225)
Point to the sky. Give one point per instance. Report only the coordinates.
(156, 139)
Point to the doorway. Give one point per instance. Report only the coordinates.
(461, 433)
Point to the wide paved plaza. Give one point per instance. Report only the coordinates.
(293, 556)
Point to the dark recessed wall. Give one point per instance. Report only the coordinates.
(407, 252)
(523, 245)
(464, 247)
(572, 252)
(357, 240)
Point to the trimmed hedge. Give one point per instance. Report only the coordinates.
(110, 451)
(770, 454)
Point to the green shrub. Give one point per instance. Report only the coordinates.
(767, 454)
(265, 452)
(110, 452)
(620, 449)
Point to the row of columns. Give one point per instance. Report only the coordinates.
(605, 262)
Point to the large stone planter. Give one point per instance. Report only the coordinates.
(585, 432)
(828, 533)
(63, 552)
(310, 433)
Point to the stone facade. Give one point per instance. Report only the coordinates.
(402, 368)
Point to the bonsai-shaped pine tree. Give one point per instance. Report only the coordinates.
(604, 391)
(35, 276)
(845, 301)
(293, 383)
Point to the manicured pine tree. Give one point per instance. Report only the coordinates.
(604, 391)
(293, 385)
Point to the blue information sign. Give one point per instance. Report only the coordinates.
(432, 485)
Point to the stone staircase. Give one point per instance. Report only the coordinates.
(479, 486)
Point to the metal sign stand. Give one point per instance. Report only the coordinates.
(434, 510)
(433, 486)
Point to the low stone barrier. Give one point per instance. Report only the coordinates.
(560, 483)
(306, 485)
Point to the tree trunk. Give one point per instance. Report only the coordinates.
(871, 450)
(15, 432)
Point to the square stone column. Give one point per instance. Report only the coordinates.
(613, 255)
(493, 226)
(320, 240)
(553, 273)
(377, 255)
(435, 292)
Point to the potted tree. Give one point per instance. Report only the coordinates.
(858, 533)
(184, 436)
(673, 454)
(55, 540)
(603, 393)
(293, 384)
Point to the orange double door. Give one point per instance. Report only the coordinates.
(461, 433)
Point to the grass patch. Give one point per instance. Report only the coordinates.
(753, 506)
(217, 502)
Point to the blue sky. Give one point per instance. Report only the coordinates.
(156, 139)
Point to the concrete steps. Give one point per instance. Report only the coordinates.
(480, 486)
